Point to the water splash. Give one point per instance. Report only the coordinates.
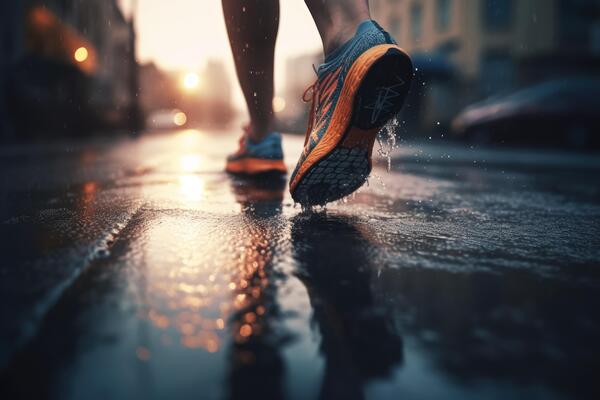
(306, 208)
(379, 180)
(387, 140)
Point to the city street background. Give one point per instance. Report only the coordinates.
(135, 267)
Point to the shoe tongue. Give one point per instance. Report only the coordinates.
(332, 57)
(267, 137)
(364, 26)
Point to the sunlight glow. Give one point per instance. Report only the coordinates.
(191, 80)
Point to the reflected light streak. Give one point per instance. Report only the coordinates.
(191, 187)
(188, 138)
(86, 203)
(90, 187)
(190, 163)
(187, 300)
(205, 298)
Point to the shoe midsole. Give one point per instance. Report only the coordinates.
(255, 166)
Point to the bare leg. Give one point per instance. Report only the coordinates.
(337, 20)
(252, 27)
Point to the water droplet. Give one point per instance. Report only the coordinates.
(385, 149)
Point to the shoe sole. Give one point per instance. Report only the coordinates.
(374, 92)
(255, 166)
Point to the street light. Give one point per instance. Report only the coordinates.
(179, 118)
(81, 54)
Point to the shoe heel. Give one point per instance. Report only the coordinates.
(383, 90)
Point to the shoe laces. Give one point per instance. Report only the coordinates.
(242, 140)
(311, 91)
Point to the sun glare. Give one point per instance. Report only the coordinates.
(191, 81)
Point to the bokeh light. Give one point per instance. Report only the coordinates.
(179, 118)
(278, 104)
(81, 54)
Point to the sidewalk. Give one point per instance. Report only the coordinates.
(135, 268)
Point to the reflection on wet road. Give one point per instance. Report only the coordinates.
(137, 269)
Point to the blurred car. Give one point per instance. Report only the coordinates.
(562, 113)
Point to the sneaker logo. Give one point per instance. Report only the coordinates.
(385, 100)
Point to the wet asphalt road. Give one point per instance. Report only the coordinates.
(135, 268)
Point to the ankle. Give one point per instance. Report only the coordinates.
(339, 33)
(256, 132)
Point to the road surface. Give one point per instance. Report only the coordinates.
(135, 268)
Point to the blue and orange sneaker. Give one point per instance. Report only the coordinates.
(251, 158)
(359, 88)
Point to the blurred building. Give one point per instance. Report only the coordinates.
(215, 93)
(292, 112)
(203, 96)
(158, 89)
(215, 83)
(466, 50)
(72, 66)
(10, 49)
(208, 101)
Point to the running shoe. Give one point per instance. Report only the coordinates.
(359, 88)
(252, 158)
